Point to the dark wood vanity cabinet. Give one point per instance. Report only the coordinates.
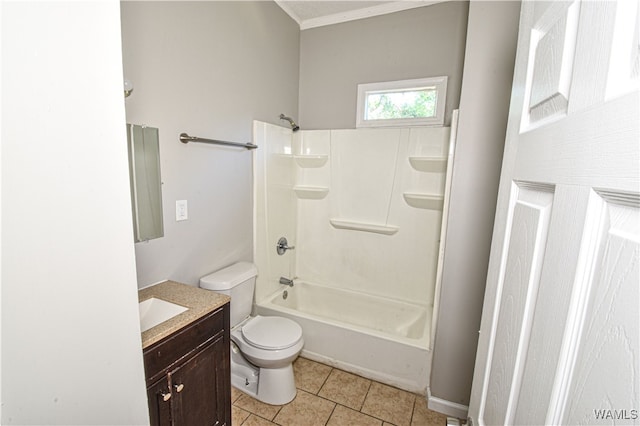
(189, 376)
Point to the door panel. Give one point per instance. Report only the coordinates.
(552, 304)
(606, 345)
(527, 241)
(553, 42)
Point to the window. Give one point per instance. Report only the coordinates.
(417, 102)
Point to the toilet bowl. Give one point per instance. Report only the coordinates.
(263, 348)
(271, 342)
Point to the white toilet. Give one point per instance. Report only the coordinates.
(262, 348)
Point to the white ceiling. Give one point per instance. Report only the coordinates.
(317, 13)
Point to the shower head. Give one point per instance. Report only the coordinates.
(292, 123)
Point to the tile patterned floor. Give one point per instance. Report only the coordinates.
(331, 397)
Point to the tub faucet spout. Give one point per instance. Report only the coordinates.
(286, 281)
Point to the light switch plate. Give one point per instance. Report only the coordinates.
(182, 212)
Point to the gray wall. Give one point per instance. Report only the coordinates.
(71, 351)
(423, 42)
(208, 69)
(484, 103)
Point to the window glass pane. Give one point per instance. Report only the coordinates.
(414, 103)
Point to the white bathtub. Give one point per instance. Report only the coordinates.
(375, 337)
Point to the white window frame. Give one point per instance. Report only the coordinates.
(439, 83)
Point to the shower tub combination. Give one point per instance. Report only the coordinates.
(363, 209)
(378, 338)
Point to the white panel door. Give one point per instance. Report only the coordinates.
(559, 339)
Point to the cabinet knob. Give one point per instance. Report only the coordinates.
(179, 387)
(165, 396)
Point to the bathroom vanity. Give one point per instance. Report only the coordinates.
(186, 358)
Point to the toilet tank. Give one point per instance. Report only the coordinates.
(237, 281)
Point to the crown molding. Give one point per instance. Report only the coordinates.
(353, 15)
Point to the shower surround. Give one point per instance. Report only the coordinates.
(363, 209)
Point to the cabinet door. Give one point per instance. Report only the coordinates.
(159, 408)
(201, 388)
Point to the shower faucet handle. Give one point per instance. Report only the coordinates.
(282, 246)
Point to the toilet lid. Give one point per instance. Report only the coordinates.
(271, 332)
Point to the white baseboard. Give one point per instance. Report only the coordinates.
(446, 407)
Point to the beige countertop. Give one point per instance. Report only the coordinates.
(199, 301)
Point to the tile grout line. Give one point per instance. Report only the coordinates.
(359, 410)
(325, 381)
(413, 409)
(365, 396)
(332, 411)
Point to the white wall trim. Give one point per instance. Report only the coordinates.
(354, 15)
(446, 407)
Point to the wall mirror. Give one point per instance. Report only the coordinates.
(146, 184)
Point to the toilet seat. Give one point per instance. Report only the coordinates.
(271, 333)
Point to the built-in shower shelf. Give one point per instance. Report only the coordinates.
(311, 161)
(281, 156)
(424, 201)
(311, 192)
(365, 227)
(429, 164)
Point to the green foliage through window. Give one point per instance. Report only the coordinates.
(415, 103)
(401, 103)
